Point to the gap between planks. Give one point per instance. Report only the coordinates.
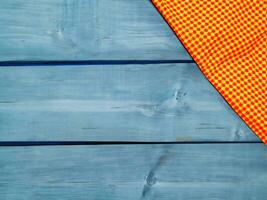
(89, 62)
(82, 143)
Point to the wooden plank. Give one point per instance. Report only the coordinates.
(85, 30)
(205, 171)
(163, 102)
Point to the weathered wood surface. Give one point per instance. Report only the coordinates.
(232, 172)
(160, 102)
(85, 30)
(114, 102)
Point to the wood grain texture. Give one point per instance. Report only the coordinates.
(163, 102)
(160, 102)
(232, 172)
(85, 30)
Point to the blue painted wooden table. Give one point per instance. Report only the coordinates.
(99, 100)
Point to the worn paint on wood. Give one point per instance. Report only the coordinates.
(163, 102)
(85, 30)
(232, 172)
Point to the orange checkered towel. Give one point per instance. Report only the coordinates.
(228, 41)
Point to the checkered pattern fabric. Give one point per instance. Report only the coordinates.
(228, 41)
